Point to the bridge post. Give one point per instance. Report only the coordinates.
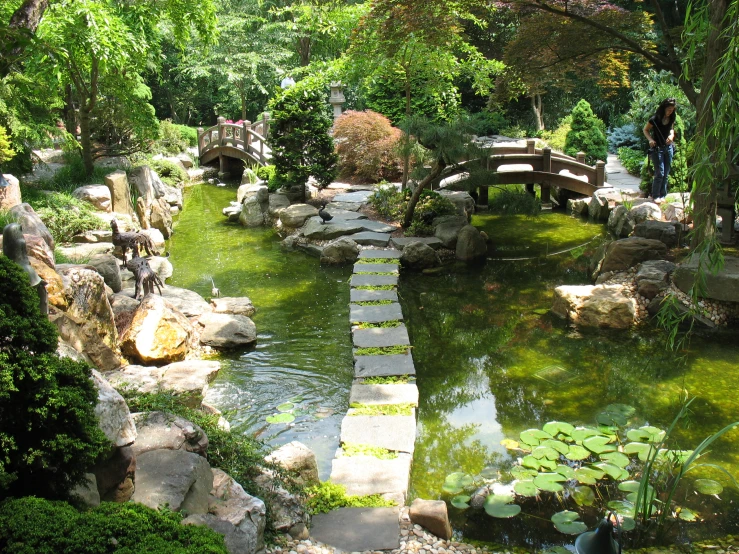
(247, 135)
(531, 146)
(482, 198)
(581, 157)
(200, 140)
(546, 160)
(221, 137)
(600, 173)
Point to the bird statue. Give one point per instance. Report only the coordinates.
(324, 215)
(215, 292)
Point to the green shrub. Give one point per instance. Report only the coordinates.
(73, 175)
(49, 434)
(511, 201)
(556, 139)
(632, 160)
(64, 215)
(267, 173)
(6, 152)
(391, 203)
(366, 144)
(188, 134)
(169, 172)
(586, 135)
(36, 526)
(174, 139)
(329, 496)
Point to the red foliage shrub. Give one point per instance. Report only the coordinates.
(365, 142)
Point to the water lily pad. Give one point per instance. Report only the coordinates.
(622, 507)
(503, 511)
(610, 419)
(583, 496)
(628, 524)
(545, 452)
(637, 435)
(579, 434)
(461, 501)
(708, 486)
(510, 444)
(533, 437)
(525, 488)
(280, 418)
(687, 515)
(616, 458)
(588, 476)
(566, 522)
(639, 448)
(623, 409)
(456, 482)
(566, 471)
(556, 427)
(577, 453)
(656, 434)
(296, 399)
(523, 473)
(629, 486)
(530, 462)
(559, 446)
(613, 471)
(598, 444)
(505, 497)
(549, 481)
(286, 407)
(489, 473)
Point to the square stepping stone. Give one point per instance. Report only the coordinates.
(384, 366)
(362, 475)
(378, 226)
(375, 314)
(402, 242)
(358, 529)
(378, 337)
(379, 253)
(392, 432)
(554, 374)
(317, 230)
(369, 238)
(373, 280)
(348, 206)
(360, 295)
(384, 394)
(346, 215)
(358, 196)
(383, 268)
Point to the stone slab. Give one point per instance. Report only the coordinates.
(357, 295)
(375, 314)
(373, 280)
(358, 529)
(317, 230)
(384, 394)
(369, 238)
(359, 187)
(384, 366)
(357, 196)
(379, 253)
(347, 215)
(378, 226)
(396, 433)
(402, 242)
(723, 285)
(383, 268)
(348, 206)
(378, 337)
(362, 475)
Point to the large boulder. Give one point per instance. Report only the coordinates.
(173, 196)
(471, 244)
(463, 202)
(277, 204)
(287, 508)
(653, 277)
(158, 334)
(160, 217)
(54, 284)
(190, 303)
(120, 192)
(36, 248)
(227, 330)
(603, 201)
(296, 215)
(96, 195)
(625, 253)
(619, 222)
(432, 515)
(662, 231)
(108, 267)
(232, 211)
(723, 285)
(298, 460)
(315, 229)
(148, 184)
(10, 196)
(31, 223)
(114, 475)
(447, 228)
(646, 211)
(578, 206)
(595, 306)
(240, 305)
(257, 190)
(175, 478)
(114, 418)
(252, 214)
(417, 255)
(162, 431)
(342, 251)
(88, 324)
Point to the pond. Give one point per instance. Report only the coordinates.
(490, 359)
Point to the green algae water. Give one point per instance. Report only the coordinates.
(302, 362)
(491, 360)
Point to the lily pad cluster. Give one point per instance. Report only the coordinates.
(289, 410)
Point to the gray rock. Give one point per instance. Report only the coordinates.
(31, 223)
(10, 196)
(120, 193)
(578, 206)
(162, 431)
(315, 229)
(471, 245)
(373, 253)
(277, 203)
(107, 265)
(373, 280)
(625, 253)
(647, 211)
(368, 238)
(347, 215)
(298, 460)
(287, 509)
(227, 330)
(190, 303)
(377, 226)
(240, 305)
(658, 230)
(384, 365)
(418, 255)
(603, 201)
(148, 184)
(401, 242)
(251, 212)
(464, 203)
(397, 433)
(363, 475)
(379, 268)
(617, 221)
(432, 515)
(342, 251)
(237, 542)
(599, 306)
(381, 337)
(375, 314)
(723, 285)
(122, 302)
(344, 206)
(384, 394)
(114, 475)
(96, 195)
(175, 478)
(111, 409)
(185, 160)
(353, 197)
(359, 295)
(173, 196)
(87, 491)
(297, 214)
(232, 211)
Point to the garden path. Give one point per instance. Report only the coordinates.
(618, 177)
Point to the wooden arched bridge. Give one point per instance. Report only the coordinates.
(515, 164)
(245, 141)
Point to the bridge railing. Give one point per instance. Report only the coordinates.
(247, 136)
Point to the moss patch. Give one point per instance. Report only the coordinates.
(388, 380)
(374, 302)
(382, 409)
(382, 350)
(375, 287)
(353, 449)
(377, 261)
(380, 325)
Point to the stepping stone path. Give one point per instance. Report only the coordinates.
(381, 416)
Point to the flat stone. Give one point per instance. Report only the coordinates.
(358, 295)
(362, 475)
(373, 280)
(369, 238)
(392, 432)
(379, 253)
(359, 187)
(723, 286)
(375, 313)
(358, 529)
(347, 215)
(381, 268)
(358, 196)
(378, 226)
(389, 365)
(378, 337)
(348, 206)
(317, 230)
(402, 242)
(384, 394)
(82, 252)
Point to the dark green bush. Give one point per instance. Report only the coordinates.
(170, 173)
(49, 434)
(73, 175)
(267, 173)
(64, 215)
(36, 526)
(586, 135)
(632, 160)
(173, 138)
(511, 201)
(391, 203)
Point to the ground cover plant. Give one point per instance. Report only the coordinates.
(393, 204)
(328, 496)
(64, 215)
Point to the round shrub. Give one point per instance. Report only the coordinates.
(365, 142)
(586, 135)
(172, 139)
(36, 526)
(510, 201)
(49, 434)
(169, 172)
(65, 216)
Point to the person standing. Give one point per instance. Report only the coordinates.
(660, 133)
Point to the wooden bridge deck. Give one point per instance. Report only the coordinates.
(242, 141)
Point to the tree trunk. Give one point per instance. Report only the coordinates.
(435, 172)
(304, 48)
(704, 187)
(536, 105)
(407, 156)
(24, 22)
(70, 116)
(86, 138)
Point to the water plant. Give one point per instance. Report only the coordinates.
(381, 409)
(381, 350)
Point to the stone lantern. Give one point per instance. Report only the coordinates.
(337, 98)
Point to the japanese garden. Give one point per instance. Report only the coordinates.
(324, 276)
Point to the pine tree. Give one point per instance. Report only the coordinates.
(586, 135)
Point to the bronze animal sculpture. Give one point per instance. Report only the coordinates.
(324, 215)
(132, 240)
(146, 278)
